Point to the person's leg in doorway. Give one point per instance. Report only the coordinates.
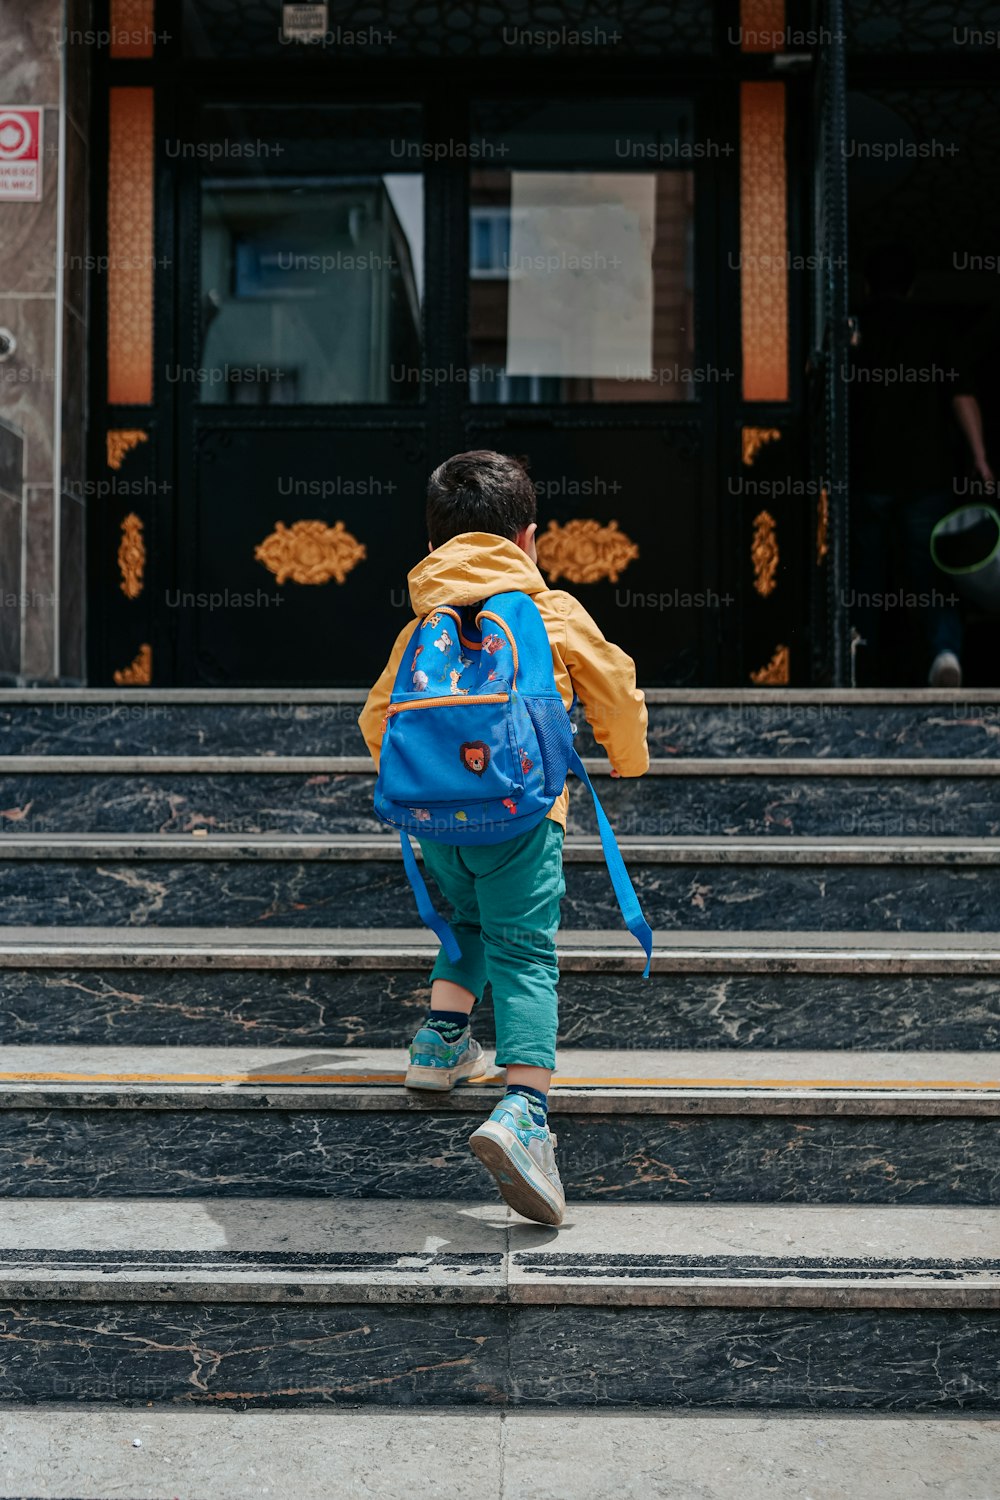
(937, 601)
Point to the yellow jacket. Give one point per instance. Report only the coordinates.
(476, 564)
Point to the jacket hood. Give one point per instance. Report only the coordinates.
(468, 568)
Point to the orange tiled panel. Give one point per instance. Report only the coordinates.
(762, 25)
(132, 27)
(763, 242)
(130, 248)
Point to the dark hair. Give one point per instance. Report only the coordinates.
(890, 269)
(479, 491)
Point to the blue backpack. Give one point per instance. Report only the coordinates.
(477, 742)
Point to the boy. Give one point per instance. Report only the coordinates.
(481, 527)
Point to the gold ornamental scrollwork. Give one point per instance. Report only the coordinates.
(755, 438)
(764, 553)
(139, 673)
(132, 556)
(310, 552)
(822, 524)
(585, 551)
(120, 441)
(777, 671)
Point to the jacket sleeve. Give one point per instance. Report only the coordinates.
(603, 677)
(370, 718)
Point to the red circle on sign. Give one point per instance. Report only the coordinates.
(16, 126)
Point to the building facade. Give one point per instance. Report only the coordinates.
(287, 257)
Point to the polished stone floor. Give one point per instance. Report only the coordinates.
(482, 1455)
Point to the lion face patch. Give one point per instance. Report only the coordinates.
(475, 756)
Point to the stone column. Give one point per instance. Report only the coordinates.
(45, 60)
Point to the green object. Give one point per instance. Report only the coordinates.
(505, 899)
(965, 544)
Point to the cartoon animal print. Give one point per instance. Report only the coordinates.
(510, 805)
(492, 644)
(444, 641)
(433, 620)
(420, 681)
(421, 814)
(475, 756)
(526, 764)
(454, 682)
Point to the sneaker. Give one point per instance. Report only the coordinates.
(437, 1064)
(521, 1157)
(946, 670)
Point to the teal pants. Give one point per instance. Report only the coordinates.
(505, 901)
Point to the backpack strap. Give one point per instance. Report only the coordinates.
(429, 914)
(628, 901)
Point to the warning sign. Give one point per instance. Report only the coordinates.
(21, 152)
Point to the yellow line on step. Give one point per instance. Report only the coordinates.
(339, 1079)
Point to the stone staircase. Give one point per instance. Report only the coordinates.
(780, 1153)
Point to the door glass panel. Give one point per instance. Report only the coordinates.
(581, 279)
(311, 289)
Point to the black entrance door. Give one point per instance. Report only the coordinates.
(303, 429)
(593, 340)
(357, 280)
(370, 285)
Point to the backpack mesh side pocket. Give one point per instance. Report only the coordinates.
(554, 729)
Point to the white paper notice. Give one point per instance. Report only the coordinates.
(581, 274)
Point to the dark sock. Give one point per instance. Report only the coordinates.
(537, 1102)
(449, 1024)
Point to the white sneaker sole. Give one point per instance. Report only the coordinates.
(946, 673)
(443, 1079)
(521, 1181)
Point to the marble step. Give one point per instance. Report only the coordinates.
(679, 797)
(308, 881)
(305, 1303)
(156, 986)
(534, 1448)
(700, 722)
(646, 1127)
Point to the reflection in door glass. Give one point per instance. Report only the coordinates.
(581, 286)
(311, 290)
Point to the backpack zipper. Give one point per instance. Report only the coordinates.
(487, 614)
(449, 699)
